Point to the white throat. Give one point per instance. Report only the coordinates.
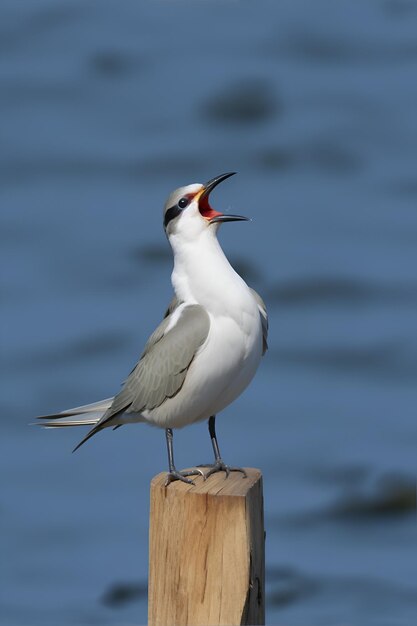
(203, 275)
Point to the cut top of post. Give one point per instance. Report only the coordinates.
(217, 485)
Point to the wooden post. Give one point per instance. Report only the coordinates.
(206, 551)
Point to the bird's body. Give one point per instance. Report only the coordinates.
(226, 362)
(208, 347)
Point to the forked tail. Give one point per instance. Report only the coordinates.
(87, 415)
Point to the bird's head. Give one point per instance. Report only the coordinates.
(188, 212)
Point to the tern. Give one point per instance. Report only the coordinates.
(205, 351)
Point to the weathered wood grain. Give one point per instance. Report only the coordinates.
(206, 551)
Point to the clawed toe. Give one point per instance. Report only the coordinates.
(220, 466)
(182, 475)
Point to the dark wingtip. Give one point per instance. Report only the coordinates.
(92, 432)
(57, 416)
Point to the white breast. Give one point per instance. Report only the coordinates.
(221, 370)
(229, 358)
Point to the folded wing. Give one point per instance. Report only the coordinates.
(264, 318)
(161, 371)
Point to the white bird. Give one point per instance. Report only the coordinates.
(206, 350)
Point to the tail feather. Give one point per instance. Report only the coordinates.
(86, 415)
(99, 407)
(76, 420)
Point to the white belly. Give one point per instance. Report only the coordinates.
(220, 372)
(227, 361)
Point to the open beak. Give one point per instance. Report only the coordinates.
(207, 211)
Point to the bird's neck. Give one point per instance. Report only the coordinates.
(203, 275)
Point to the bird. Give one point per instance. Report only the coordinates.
(205, 351)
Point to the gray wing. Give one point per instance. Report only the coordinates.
(158, 333)
(264, 318)
(163, 366)
(161, 370)
(172, 306)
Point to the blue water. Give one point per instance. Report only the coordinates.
(106, 107)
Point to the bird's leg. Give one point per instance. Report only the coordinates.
(173, 473)
(219, 465)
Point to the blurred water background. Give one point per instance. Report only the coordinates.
(105, 108)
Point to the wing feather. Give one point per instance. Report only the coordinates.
(162, 368)
(264, 318)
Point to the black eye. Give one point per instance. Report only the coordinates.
(183, 203)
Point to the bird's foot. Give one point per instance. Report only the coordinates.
(220, 466)
(182, 475)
